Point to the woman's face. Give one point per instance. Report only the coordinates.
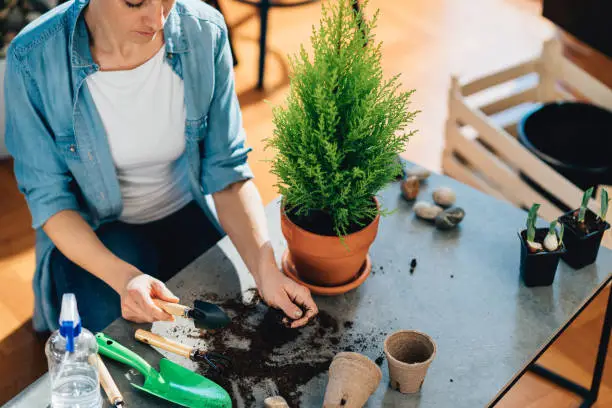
(139, 21)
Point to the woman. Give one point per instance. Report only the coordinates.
(121, 117)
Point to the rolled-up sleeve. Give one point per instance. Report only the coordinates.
(225, 154)
(42, 175)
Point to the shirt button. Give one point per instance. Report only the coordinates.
(72, 148)
(169, 55)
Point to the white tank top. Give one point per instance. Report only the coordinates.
(143, 113)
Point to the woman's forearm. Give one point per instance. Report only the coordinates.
(242, 216)
(79, 243)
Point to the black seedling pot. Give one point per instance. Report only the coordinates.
(538, 269)
(582, 245)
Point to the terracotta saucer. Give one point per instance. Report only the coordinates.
(289, 269)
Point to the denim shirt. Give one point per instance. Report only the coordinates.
(57, 139)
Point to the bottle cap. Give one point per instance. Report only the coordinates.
(69, 321)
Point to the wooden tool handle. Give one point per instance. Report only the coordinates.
(109, 385)
(163, 343)
(172, 308)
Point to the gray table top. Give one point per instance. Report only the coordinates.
(487, 324)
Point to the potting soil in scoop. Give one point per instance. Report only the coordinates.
(271, 359)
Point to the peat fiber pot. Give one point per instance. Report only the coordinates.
(325, 264)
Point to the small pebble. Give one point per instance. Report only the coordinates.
(452, 276)
(451, 380)
(426, 211)
(419, 172)
(413, 263)
(410, 188)
(450, 218)
(444, 196)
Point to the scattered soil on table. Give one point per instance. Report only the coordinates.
(272, 359)
(413, 265)
(379, 360)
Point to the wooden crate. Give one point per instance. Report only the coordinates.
(481, 146)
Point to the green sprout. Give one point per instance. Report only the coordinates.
(604, 204)
(551, 228)
(585, 201)
(531, 220)
(561, 231)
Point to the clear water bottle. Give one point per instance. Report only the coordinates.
(71, 353)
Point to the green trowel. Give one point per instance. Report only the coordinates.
(172, 383)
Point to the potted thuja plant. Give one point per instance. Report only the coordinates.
(336, 143)
(585, 230)
(540, 250)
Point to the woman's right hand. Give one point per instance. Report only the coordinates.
(137, 299)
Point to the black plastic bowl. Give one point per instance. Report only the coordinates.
(573, 138)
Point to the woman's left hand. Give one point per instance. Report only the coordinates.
(280, 292)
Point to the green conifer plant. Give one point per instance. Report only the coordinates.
(337, 139)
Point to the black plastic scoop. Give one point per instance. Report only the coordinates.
(205, 315)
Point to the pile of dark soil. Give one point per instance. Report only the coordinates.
(271, 359)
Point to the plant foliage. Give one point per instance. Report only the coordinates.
(604, 204)
(585, 202)
(531, 221)
(337, 139)
(552, 228)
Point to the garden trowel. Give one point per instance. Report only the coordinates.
(205, 315)
(173, 382)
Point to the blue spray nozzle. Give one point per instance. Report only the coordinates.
(69, 321)
(70, 332)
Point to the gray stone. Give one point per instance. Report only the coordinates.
(426, 211)
(450, 218)
(419, 172)
(444, 196)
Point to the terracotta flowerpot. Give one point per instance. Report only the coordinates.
(409, 354)
(324, 260)
(352, 379)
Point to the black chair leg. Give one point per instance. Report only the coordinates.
(264, 9)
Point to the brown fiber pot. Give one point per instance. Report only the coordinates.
(352, 379)
(325, 260)
(409, 354)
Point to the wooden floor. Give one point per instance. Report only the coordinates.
(573, 356)
(425, 41)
